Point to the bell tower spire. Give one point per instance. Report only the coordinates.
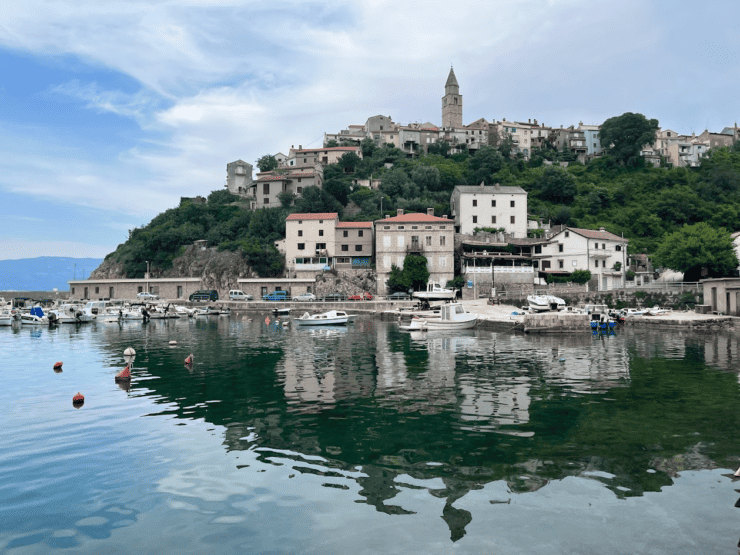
(452, 103)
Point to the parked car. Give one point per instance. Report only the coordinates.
(239, 295)
(204, 295)
(305, 297)
(364, 297)
(334, 297)
(276, 296)
(398, 296)
(146, 296)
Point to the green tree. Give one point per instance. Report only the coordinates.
(557, 185)
(624, 136)
(331, 143)
(397, 280)
(267, 163)
(395, 183)
(368, 146)
(484, 164)
(285, 198)
(415, 269)
(315, 200)
(426, 177)
(349, 161)
(695, 247)
(440, 147)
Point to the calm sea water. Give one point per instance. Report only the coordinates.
(367, 439)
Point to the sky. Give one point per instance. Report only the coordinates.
(111, 111)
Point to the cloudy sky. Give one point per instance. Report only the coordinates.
(111, 111)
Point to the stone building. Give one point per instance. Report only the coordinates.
(354, 245)
(238, 177)
(102, 289)
(452, 104)
(421, 234)
(479, 206)
(265, 191)
(302, 157)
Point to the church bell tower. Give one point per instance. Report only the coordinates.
(452, 103)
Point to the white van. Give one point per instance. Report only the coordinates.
(239, 295)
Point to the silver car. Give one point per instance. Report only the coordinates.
(305, 297)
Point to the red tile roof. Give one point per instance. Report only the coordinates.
(417, 217)
(320, 216)
(355, 224)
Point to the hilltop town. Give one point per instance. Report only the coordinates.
(501, 204)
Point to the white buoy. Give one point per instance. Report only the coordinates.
(129, 352)
(173, 343)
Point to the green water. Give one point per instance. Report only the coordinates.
(367, 438)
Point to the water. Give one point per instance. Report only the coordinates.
(367, 439)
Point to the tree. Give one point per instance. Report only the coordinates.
(557, 185)
(440, 147)
(695, 247)
(415, 269)
(267, 163)
(395, 183)
(315, 200)
(397, 280)
(349, 161)
(331, 143)
(285, 198)
(426, 177)
(624, 136)
(368, 146)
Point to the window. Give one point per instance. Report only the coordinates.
(73, 290)
(345, 248)
(387, 241)
(97, 290)
(301, 246)
(266, 201)
(535, 264)
(513, 202)
(475, 219)
(441, 240)
(179, 291)
(110, 292)
(400, 240)
(299, 180)
(321, 221)
(139, 289)
(427, 227)
(560, 264)
(414, 227)
(567, 233)
(386, 227)
(299, 190)
(475, 202)
(493, 204)
(300, 233)
(603, 246)
(545, 264)
(618, 248)
(400, 227)
(359, 233)
(320, 246)
(513, 219)
(493, 219)
(560, 248)
(597, 263)
(265, 188)
(428, 240)
(358, 248)
(321, 232)
(345, 233)
(442, 262)
(538, 249)
(442, 227)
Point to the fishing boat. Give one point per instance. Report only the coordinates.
(452, 316)
(541, 303)
(435, 292)
(330, 318)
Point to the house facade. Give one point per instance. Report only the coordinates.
(421, 234)
(310, 242)
(301, 157)
(601, 252)
(354, 245)
(492, 206)
(265, 191)
(238, 177)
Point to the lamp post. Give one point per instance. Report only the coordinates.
(147, 276)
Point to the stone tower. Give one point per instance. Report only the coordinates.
(452, 103)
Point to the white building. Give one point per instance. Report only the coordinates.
(489, 207)
(601, 252)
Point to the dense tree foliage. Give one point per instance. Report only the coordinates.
(699, 251)
(267, 163)
(414, 274)
(624, 136)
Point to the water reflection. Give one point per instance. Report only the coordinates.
(379, 417)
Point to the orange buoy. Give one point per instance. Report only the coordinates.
(189, 360)
(267, 321)
(58, 366)
(124, 375)
(78, 400)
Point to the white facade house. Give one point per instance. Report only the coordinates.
(310, 241)
(601, 252)
(491, 206)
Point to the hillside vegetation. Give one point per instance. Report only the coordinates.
(645, 204)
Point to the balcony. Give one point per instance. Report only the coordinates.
(415, 246)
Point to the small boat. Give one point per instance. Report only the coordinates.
(331, 318)
(452, 316)
(541, 303)
(435, 292)
(281, 311)
(35, 317)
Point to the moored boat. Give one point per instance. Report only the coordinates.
(452, 316)
(330, 318)
(435, 292)
(541, 303)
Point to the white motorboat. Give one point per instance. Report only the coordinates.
(435, 292)
(7, 318)
(541, 303)
(35, 317)
(69, 313)
(331, 318)
(452, 316)
(183, 311)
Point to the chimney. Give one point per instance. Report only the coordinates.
(399, 211)
(430, 211)
(387, 216)
(445, 216)
(602, 229)
(300, 147)
(482, 185)
(529, 121)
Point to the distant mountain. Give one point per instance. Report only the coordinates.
(44, 273)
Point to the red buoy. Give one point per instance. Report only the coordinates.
(189, 360)
(78, 400)
(124, 375)
(58, 366)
